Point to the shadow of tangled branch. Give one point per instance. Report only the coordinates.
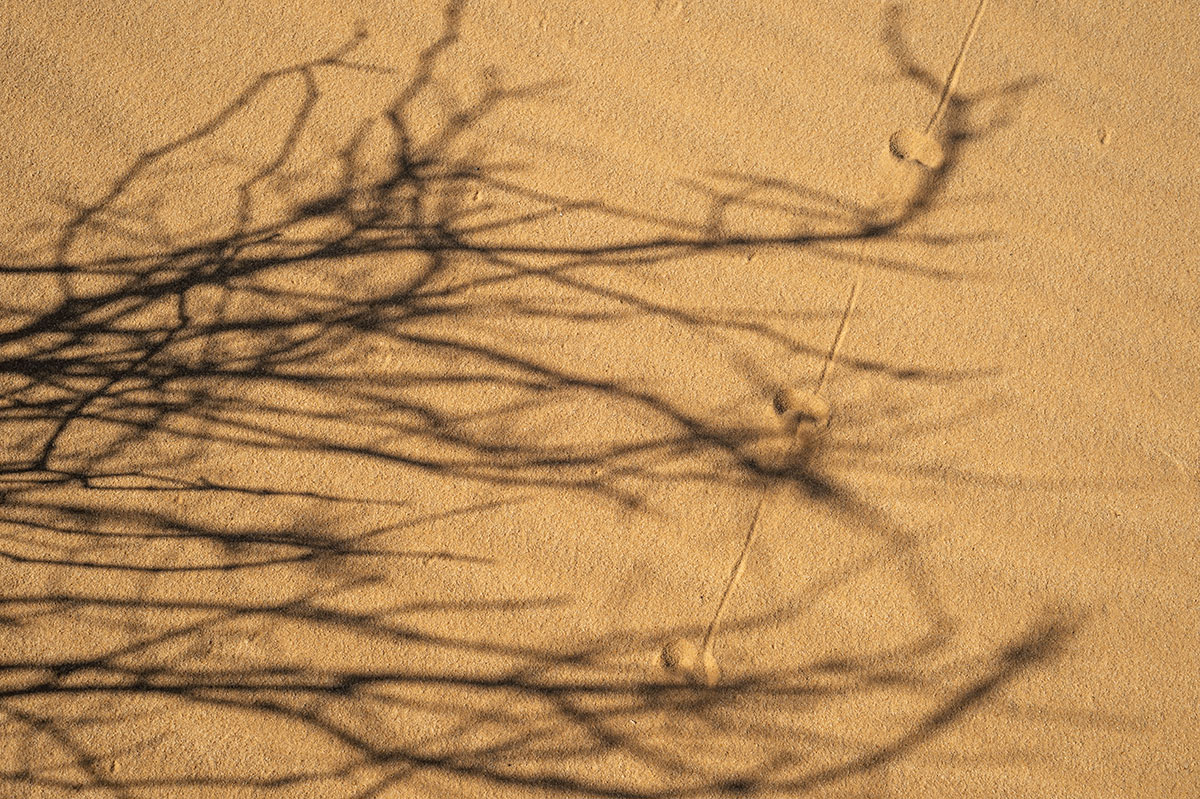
(339, 318)
(392, 304)
(505, 717)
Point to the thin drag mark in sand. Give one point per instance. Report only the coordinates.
(806, 415)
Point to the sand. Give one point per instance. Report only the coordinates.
(388, 394)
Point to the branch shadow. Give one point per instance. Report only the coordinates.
(394, 303)
(379, 292)
(507, 716)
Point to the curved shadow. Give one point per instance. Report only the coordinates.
(560, 720)
(402, 310)
(370, 298)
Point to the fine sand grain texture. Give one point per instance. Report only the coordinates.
(437, 399)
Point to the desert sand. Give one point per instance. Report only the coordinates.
(390, 392)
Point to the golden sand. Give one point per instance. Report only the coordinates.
(406, 400)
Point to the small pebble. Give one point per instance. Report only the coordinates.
(913, 145)
(680, 656)
(798, 406)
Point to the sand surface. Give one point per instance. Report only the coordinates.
(386, 387)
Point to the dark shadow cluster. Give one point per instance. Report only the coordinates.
(338, 319)
(397, 310)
